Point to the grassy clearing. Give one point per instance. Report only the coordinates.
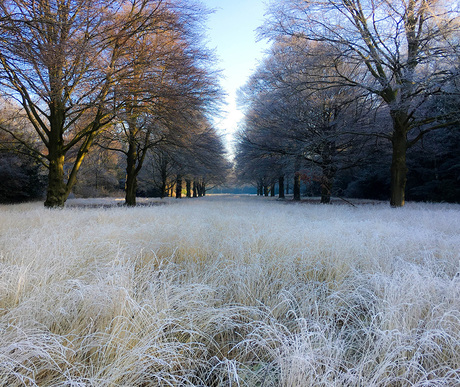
(230, 291)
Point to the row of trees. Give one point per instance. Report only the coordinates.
(167, 168)
(127, 76)
(341, 78)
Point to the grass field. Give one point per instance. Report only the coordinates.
(230, 291)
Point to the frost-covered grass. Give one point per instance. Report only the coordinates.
(230, 291)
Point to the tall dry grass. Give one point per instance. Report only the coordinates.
(230, 292)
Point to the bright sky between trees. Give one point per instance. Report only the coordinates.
(231, 31)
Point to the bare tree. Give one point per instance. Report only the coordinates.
(397, 50)
(60, 60)
(171, 83)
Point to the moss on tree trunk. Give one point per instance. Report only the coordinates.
(56, 194)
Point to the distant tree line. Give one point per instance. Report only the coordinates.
(98, 94)
(356, 98)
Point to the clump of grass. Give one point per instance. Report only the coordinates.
(230, 292)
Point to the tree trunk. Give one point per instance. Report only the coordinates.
(201, 189)
(188, 185)
(398, 163)
(297, 186)
(296, 189)
(163, 188)
(272, 190)
(265, 190)
(56, 193)
(164, 178)
(178, 187)
(327, 180)
(325, 191)
(281, 187)
(259, 189)
(130, 190)
(328, 171)
(195, 189)
(131, 176)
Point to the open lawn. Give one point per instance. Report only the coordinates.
(230, 291)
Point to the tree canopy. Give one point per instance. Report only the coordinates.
(78, 67)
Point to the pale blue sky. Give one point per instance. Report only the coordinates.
(232, 33)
